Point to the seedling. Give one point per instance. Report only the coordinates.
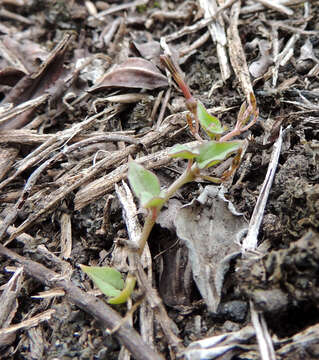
(146, 185)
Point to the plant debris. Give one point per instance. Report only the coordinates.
(133, 73)
(211, 233)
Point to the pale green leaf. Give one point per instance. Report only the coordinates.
(213, 152)
(107, 279)
(144, 183)
(183, 151)
(209, 123)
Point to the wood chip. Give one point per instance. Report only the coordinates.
(237, 54)
(277, 7)
(26, 324)
(66, 236)
(218, 35)
(7, 158)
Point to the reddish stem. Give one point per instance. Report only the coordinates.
(177, 76)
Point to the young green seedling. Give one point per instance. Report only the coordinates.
(201, 157)
(210, 124)
(146, 185)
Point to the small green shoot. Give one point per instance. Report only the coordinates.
(210, 124)
(207, 154)
(141, 9)
(111, 283)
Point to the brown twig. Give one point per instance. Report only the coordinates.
(237, 54)
(108, 318)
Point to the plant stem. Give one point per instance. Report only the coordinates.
(168, 62)
(188, 175)
(147, 228)
(230, 135)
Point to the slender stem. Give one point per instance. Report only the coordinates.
(147, 228)
(188, 175)
(168, 62)
(230, 135)
(238, 130)
(211, 179)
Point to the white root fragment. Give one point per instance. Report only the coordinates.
(249, 9)
(133, 226)
(250, 242)
(219, 346)
(66, 236)
(266, 347)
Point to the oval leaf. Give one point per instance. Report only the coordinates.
(107, 279)
(184, 152)
(133, 73)
(209, 123)
(213, 152)
(126, 292)
(144, 183)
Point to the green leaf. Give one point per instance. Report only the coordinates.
(107, 279)
(209, 123)
(213, 152)
(149, 201)
(183, 151)
(126, 292)
(145, 184)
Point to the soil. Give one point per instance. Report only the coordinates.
(60, 209)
